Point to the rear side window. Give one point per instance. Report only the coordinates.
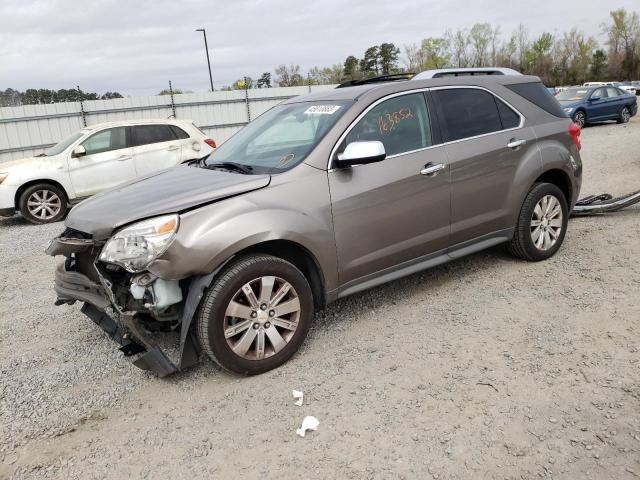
(148, 134)
(537, 94)
(106, 140)
(467, 112)
(178, 132)
(600, 93)
(400, 123)
(613, 92)
(510, 119)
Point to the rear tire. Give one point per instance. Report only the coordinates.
(246, 324)
(625, 115)
(541, 225)
(43, 203)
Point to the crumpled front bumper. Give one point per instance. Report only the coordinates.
(87, 286)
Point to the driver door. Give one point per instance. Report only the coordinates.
(107, 163)
(391, 214)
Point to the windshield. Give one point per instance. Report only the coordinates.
(280, 138)
(62, 146)
(572, 94)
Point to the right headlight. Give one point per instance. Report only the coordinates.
(568, 109)
(136, 246)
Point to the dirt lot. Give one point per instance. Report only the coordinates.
(487, 367)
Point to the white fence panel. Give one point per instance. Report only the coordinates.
(28, 130)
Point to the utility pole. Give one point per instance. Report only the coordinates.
(206, 47)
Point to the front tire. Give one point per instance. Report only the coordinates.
(256, 315)
(43, 203)
(542, 223)
(625, 115)
(580, 118)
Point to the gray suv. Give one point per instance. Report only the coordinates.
(321, 197)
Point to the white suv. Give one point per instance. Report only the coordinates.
(92, 160)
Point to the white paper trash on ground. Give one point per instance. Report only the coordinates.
(299, 395)
(309, 423)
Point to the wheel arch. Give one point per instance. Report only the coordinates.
(560, 179)
(300, 257)
(30, 183)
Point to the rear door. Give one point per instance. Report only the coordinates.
(616, 102)
(486, 143)
(107, 163)
(155, 147)
(387, 213)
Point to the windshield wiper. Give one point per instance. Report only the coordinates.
(238, 167)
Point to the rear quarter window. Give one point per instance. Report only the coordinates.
(536, 93)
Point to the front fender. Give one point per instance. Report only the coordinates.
(208, 236)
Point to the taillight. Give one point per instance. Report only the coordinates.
(574, 131)
(210, 142)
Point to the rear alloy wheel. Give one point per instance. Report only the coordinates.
(43, 203)
(542, 223)
(580, 118)
(625, 115)
(256, 315)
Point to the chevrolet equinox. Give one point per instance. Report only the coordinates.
(319, 198)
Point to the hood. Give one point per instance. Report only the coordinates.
(169, 191)
(32, 164)
(570, 103)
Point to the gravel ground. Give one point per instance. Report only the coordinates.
(486, 367)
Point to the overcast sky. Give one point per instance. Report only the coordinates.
(137, 46)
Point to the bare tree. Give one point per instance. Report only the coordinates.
(289, 76)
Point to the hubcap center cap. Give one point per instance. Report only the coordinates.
(263, 316)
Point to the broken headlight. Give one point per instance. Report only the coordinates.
(136, 246)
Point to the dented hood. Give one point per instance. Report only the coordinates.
(168, 191)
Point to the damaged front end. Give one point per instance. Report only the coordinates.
(128, 305)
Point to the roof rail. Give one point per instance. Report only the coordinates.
(392, 77)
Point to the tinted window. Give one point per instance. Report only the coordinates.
(400, 123)
(106, 140)
(467, 112)
(178, 132)
(510, 119)
(537, 94)
(613, 92)
(147, 134)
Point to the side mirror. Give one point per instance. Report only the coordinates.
(79, 151)
(594, 99)
(359, 153)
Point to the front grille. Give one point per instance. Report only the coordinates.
(73, 233)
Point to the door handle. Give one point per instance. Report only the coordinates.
(122, 158)
(431, 170)
(513, 143)
(173, 147)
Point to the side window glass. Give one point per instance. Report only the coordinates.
(148, 134)
(178, 132)
(600, 92)
(467, 112)
(400, 123)
(106, 140)
(612, 92)
(510, 119)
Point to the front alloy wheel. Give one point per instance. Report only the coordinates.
(261, 318)
(43, 203)
(579, 118)
(256, 314)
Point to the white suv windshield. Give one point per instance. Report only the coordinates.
(281, 138)
(62, 146)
